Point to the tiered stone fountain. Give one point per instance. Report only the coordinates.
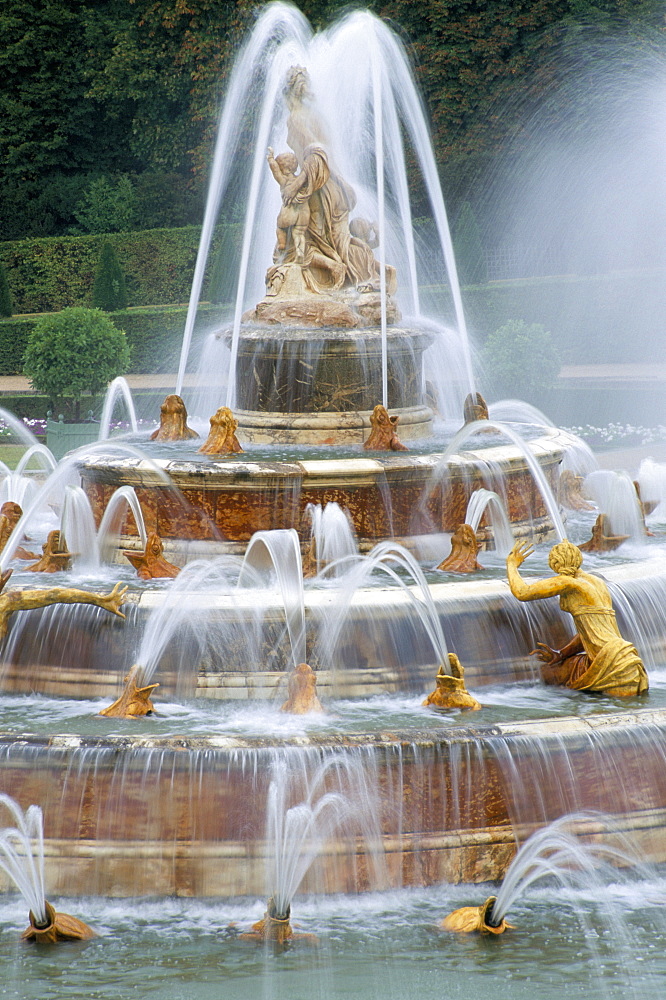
(142, 811)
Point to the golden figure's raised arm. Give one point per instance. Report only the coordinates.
(551, 587)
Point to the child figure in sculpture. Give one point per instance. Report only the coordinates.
(294, 217)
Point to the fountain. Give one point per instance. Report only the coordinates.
(303, 542)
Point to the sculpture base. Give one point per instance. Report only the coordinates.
(291, 301)
(304, 376)
(415, 423)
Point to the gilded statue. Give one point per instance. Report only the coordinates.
(597, 659)
(150, 564)
(10, 515)
(602, 540)
(302, 691)
(475, 408)
(222, 438)
(134, 701)
(173, 421)
(57, 928)
(475, 919)
(383, 436)
(464, 548)
(276, 928)
(451, 691)
(55, 555)
(571, 492)
(28, 600)
(294, 218)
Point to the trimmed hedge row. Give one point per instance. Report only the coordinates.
(154, 337)
(46, 275)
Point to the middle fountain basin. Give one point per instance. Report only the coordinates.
(387, 495)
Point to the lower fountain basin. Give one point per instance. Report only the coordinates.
(129, 815)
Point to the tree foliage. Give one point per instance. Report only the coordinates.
(139, 93)
(521, 360)
(75, 351)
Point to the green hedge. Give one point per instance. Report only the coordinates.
(46, 275)
(154, 336)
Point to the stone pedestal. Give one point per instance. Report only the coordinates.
(320, 386)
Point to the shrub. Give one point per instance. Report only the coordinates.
(5, 296)
(521, 360)
(107, 206)
(109, 291)
(74, 351)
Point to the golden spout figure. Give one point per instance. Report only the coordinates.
(302, 691)
(149, 564)
(451, 691)
(475, 408)
(571, 492)
(464, 547)
(383, 436)
(10, 514)
(222, 438)
(475, 919)
(28, 600)
(602, 540)
(59, 927)
(173, 421)
(55, 556)
(134, 701)
(597, 658)
(275, 927)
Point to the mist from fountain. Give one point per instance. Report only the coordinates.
(467, 433)
(113, 519)
(615, 495)
(278, 553)
(77, 524)
(557, 852)
(393, 563)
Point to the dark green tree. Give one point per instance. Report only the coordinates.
(109, 291)
(5, 294)
(74, 351)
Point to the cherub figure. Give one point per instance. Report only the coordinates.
(294, 216)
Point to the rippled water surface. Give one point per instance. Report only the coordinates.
(565, 944)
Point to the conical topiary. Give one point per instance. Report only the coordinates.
(109, 291)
